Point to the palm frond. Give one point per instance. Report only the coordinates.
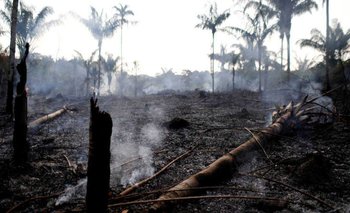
(40, 18)
(312, 44)
(6, 17)
(304, 6)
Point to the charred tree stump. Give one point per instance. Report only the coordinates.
(20, 143)
(99, 159)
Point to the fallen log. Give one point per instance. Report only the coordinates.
(288, 119)
(47, 117)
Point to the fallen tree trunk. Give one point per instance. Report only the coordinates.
(223, 167)
(47, 117)
(288, 119)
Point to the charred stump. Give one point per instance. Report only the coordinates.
(99, 159)
(20, 143)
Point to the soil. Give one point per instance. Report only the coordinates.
(314, 161)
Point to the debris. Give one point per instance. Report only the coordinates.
(243, 113)
(315, 169)
(177, 123)
(47, 117)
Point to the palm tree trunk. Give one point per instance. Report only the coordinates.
(87, 81)
(288, 57)
(99, 67)
(233, 78)
(265, 77)
(10, 80)
(136, 83)
(328, 86)
(259, 69)
(212, 65)
(121, 60)
(282, 39)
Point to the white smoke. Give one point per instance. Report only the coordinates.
(132, 153)
(77, 191)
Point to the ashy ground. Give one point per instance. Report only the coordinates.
(296, 170)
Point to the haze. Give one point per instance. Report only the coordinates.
(165, 35)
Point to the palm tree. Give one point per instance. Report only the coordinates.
(87, 63)
(234, 60)
(223, 57)
(110, 67)
(120, 16)
(258, 31)
(29, 26)
(338, 43)
(211, 22)
(100, 28)
(13, 23)
(285, 10)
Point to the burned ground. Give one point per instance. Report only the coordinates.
(314, 161)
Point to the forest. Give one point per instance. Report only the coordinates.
(259, 130)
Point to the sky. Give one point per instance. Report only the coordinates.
(164, 35)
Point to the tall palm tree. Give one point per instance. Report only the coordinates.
(13, 23)
(212, 22)
(285, 10)
(100, 27)
(122, 12)
(29, 25)
(257, 32)
(336, 47)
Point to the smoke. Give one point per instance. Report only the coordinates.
(133, 160)
(77, 191)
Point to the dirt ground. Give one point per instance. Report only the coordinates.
(298, 168)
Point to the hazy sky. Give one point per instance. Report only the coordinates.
(165, 33)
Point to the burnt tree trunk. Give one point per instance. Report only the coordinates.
(10, 80)
(20, 143)
(99, 159)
